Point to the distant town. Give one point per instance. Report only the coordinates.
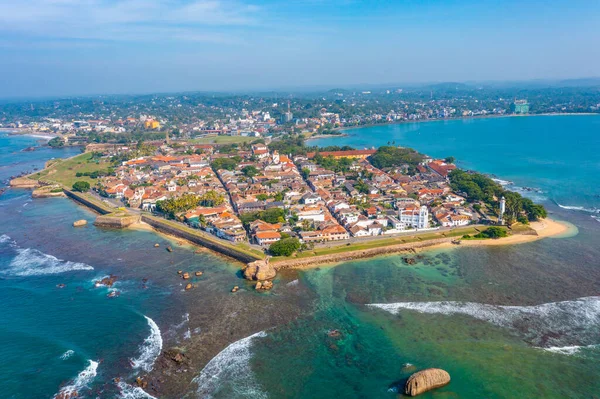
(221, 118)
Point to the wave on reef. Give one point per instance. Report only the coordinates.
(551, 325)
(82, 381)
(150, 348)
(31, 262)
(130, 392)
(67, 354)
(579, 208)
(230, 370)
(569, 350)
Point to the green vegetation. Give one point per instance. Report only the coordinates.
(226, 163)
(341, 165)
(273, 215)
(478, 187)
(81, 186)
(250, 171)
(64, 171)
(96, 173)
(285, 247)
(173, 206)
(388, 157)
(491, 232)
(56, 142)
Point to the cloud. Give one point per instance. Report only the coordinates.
(126, 20)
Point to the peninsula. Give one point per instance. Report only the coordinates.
(300, 206)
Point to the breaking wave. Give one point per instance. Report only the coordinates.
(130, 392)
(150, 348)
(579, 208)
(550, 326)
(230, 371)
(569, 350)
(31, 262)
(5, 238)
(67, 354)
(82, 381)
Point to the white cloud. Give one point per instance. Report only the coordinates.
(126, 20)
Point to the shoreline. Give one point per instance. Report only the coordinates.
(542, 229)
(462, 118)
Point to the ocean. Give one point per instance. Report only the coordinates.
(505, 321)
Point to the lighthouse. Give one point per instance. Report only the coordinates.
(502, 210)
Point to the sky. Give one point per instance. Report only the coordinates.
(78, 47)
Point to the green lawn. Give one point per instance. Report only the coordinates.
(224, 140)
(63, 171)
(384, 242)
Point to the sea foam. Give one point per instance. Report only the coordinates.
(150, 348)
(130, 392)
(231, 369)
(579, 208)
(551, 325)
(82, 381)
(67, 354)
(31, 262)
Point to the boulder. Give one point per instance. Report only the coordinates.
(258, 286)
(188, 287)
(186, 275)
(235, 289)
(198, 274)
(426, 380)
(156, 245)
(106, 281)
(79, 223)
(259, 270)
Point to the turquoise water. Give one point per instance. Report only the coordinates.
(280, 345)
(558, 154)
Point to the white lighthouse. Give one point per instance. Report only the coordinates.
(502, 210)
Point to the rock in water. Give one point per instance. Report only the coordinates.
(426, 380)
(80, 223)
(259, 270)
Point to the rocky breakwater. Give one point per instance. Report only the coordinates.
(426, 380)
(48, 192)
(24, 182)
(262, 272)
(116, 220)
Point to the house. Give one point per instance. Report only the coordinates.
(310, 198)
(265, 238)
(358, 231)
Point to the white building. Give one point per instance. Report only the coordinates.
(417, 218)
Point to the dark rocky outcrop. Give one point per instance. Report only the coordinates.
(426, 380)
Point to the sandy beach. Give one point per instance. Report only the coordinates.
(544, 229)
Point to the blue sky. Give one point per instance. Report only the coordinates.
(67, 47)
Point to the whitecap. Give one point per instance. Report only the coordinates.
(82, 381)
(150, 348)
(31, 262)
(6, 239)
(579, 208)
(556, 324)
(67, 354)
(568, 350)
(130, 392)
(230, 370)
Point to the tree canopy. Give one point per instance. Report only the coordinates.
(81, 186)
(388, 157)
(285, 247)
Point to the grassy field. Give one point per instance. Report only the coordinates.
(224, 140)
(384, 242)
(63, 171)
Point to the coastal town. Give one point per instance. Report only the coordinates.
(241, 118)
(282, 203)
